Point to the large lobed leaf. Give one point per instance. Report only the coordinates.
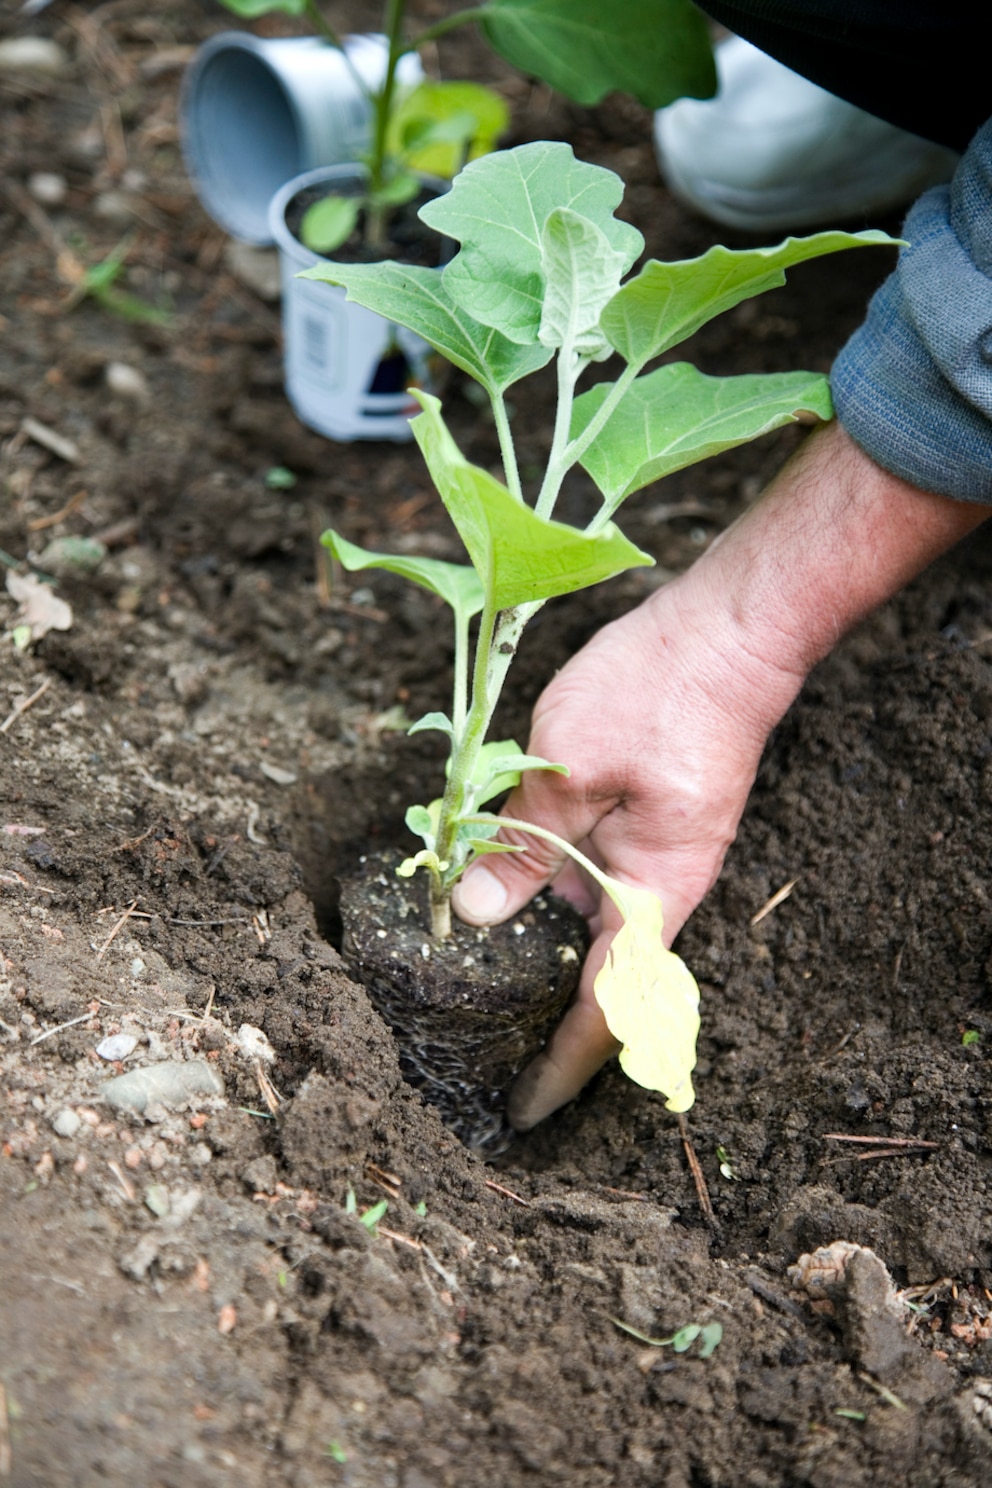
(520, 556)
(656, 50)
(497, 208)
(676, 415)
(666, 302)
(418, 299)
(582, 275)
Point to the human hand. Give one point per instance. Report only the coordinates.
(663, 716)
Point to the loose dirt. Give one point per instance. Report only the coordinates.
(190, 1295)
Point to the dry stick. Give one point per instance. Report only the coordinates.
(5, 1454)
(702, 1192)
(51, 1032)
(73, 504)
(119, 926)
(879, 1141)
(774, 901)
(507, 1193)
(24, 705)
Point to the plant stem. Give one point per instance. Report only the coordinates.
(441, 28)
(327, 31)
(506, 446)
(382, 105)
(569, 368)
(459, 703)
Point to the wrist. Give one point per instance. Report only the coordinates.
(832, 538)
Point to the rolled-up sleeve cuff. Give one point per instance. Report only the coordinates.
(913, 386)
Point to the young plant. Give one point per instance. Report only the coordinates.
(541, 276)
(658, 50)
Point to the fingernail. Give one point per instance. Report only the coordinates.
(481, 897)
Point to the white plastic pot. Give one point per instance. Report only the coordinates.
(348, 371)
(254, 114)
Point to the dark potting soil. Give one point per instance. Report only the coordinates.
(409, 240)
(190, 1297)
(467, 1012)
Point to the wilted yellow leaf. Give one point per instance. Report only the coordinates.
(650, 1000)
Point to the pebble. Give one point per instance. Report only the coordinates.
(72, 557)
(126, 381)
(48, 188)
(157, 1199)
(32, 54)
(66, 1123)
(170, 1083)
(118, 1046)
(253, 1043)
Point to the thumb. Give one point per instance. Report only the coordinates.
(498, 884)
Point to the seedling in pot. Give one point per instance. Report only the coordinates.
(658, 50)
(541, 275)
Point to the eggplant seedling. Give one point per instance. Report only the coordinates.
(541, 275)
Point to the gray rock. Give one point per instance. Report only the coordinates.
(171, 1083)
(118, 1046)
(66, 1123)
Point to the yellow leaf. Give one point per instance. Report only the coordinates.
(650, 1001)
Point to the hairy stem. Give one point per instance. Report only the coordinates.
(441, 28)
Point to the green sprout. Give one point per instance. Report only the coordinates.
(727, 1166)
(657, 50)
(278, 478)
(336, 1451)
(541, 276)
(99, 283)
(970, 1036)
(710, 1336)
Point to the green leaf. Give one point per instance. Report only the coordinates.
(657, 50)
(372, 1216)
(582, 275)
(482, 845)
(330, 222)
(438, 125)
(455, 583)
(250, 9)
(422, 824)
(519, 556)
(417, 298)
(686, 1337)
(503, 770)
(674, 416)
(712, 1337)
(402, 187)
(649, 999)
(666, 302)
(497, 208)
(439, 721)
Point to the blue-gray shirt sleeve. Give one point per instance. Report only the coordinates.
(913, 386)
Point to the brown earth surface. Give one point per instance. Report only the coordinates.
(189, 1295)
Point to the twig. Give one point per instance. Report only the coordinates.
(24, 705)
(886, 1394)
(507, 1193)
(774, 901)
(401, 1239)
(702, 1192)
(119, 926)
(269, 1093)
(51, 1032)
(879, 1141)
(127, 1187)
(5, 1455)
(73, 504)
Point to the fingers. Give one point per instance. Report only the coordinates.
(576, 1050)
(579, 1046)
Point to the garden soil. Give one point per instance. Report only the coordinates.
(190, 1295)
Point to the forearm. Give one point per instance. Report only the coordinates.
(832, 538)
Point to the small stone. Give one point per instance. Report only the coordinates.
(66, 1123)
(277, 775)
(254, 1045)
(157, 1199)
(48, 188)
(137, 1261)
(256, 268)
(115, 207)
(170, 1083)
(72, 557)
(117, 1047)
(133, 1158)
(32, 54)
(126, 382)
